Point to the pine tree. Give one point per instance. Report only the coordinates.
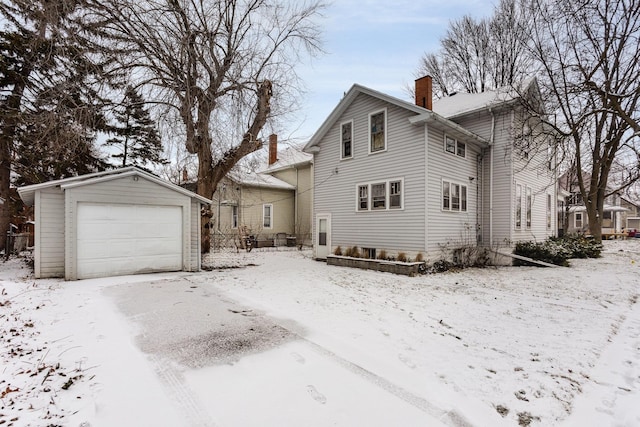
(136, 137)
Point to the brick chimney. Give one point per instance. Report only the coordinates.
(273, 148)
(424, 92)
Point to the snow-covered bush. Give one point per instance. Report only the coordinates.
(551, 251)
(580, 246)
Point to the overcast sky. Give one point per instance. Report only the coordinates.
(375, 43)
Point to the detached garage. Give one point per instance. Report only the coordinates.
(114, 223)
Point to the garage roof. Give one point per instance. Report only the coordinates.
(27, 193)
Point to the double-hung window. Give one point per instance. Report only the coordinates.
(346, 140)
(454, 196)
(267, 216)
(529, 202)
(234, 216)
(380, 195)
(548, 211)
(395, 194)
(518, 206)
(378, 131)
(453, 146)
(363, 197)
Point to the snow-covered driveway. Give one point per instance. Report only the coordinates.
(290, 341)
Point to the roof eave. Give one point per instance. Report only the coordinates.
(430, 116)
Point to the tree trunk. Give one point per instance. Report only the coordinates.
(210, 174)
(10, 125)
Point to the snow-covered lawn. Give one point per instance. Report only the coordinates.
(287, 341)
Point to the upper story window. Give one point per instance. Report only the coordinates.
(346, 140)
(453, 146)
(383, 195)
(378, 131)
(454, 196)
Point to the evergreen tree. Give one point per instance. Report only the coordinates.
(136, 137)
(49, 108)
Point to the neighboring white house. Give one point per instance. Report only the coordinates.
(421, 178)
(616, 211)
(118, 222)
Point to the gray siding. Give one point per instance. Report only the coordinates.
(335, 181)
(509, 169)
(123, 190)
(49, 235)
(450, 228)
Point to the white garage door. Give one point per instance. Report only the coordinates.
(118, 239)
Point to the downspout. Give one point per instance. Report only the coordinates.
(491, 140)
(295, 206)
(479, 204)
(426, 188)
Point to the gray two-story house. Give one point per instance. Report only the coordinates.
(428, 177)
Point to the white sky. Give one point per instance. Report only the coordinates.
(375, 43)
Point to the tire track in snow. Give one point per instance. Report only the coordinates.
(449, 417)
(174, 383)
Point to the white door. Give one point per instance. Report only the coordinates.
(115, 239)
(323, 236)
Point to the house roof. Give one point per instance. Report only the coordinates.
(460, 104)
(259, 179)
(27, 193)
(423, 115)
(289, 158)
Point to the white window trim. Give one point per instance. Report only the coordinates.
(528, 207)
(352, 140)
(386, 131)
(515, 203)
(575, 220)
(387, 183)
(549, 211)
(237, 216)
(271, 218)
(455, 148)
(450, 181)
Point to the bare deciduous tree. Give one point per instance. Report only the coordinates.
(589, 73)
(214, 61)
(479, 55)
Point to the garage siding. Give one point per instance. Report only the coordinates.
(194, 260)
(49, 233)
(134, 190)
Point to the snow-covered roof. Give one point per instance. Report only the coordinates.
(464, 103)
(288, 158)
(261, 180)
(605, 208)
(27, 193)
